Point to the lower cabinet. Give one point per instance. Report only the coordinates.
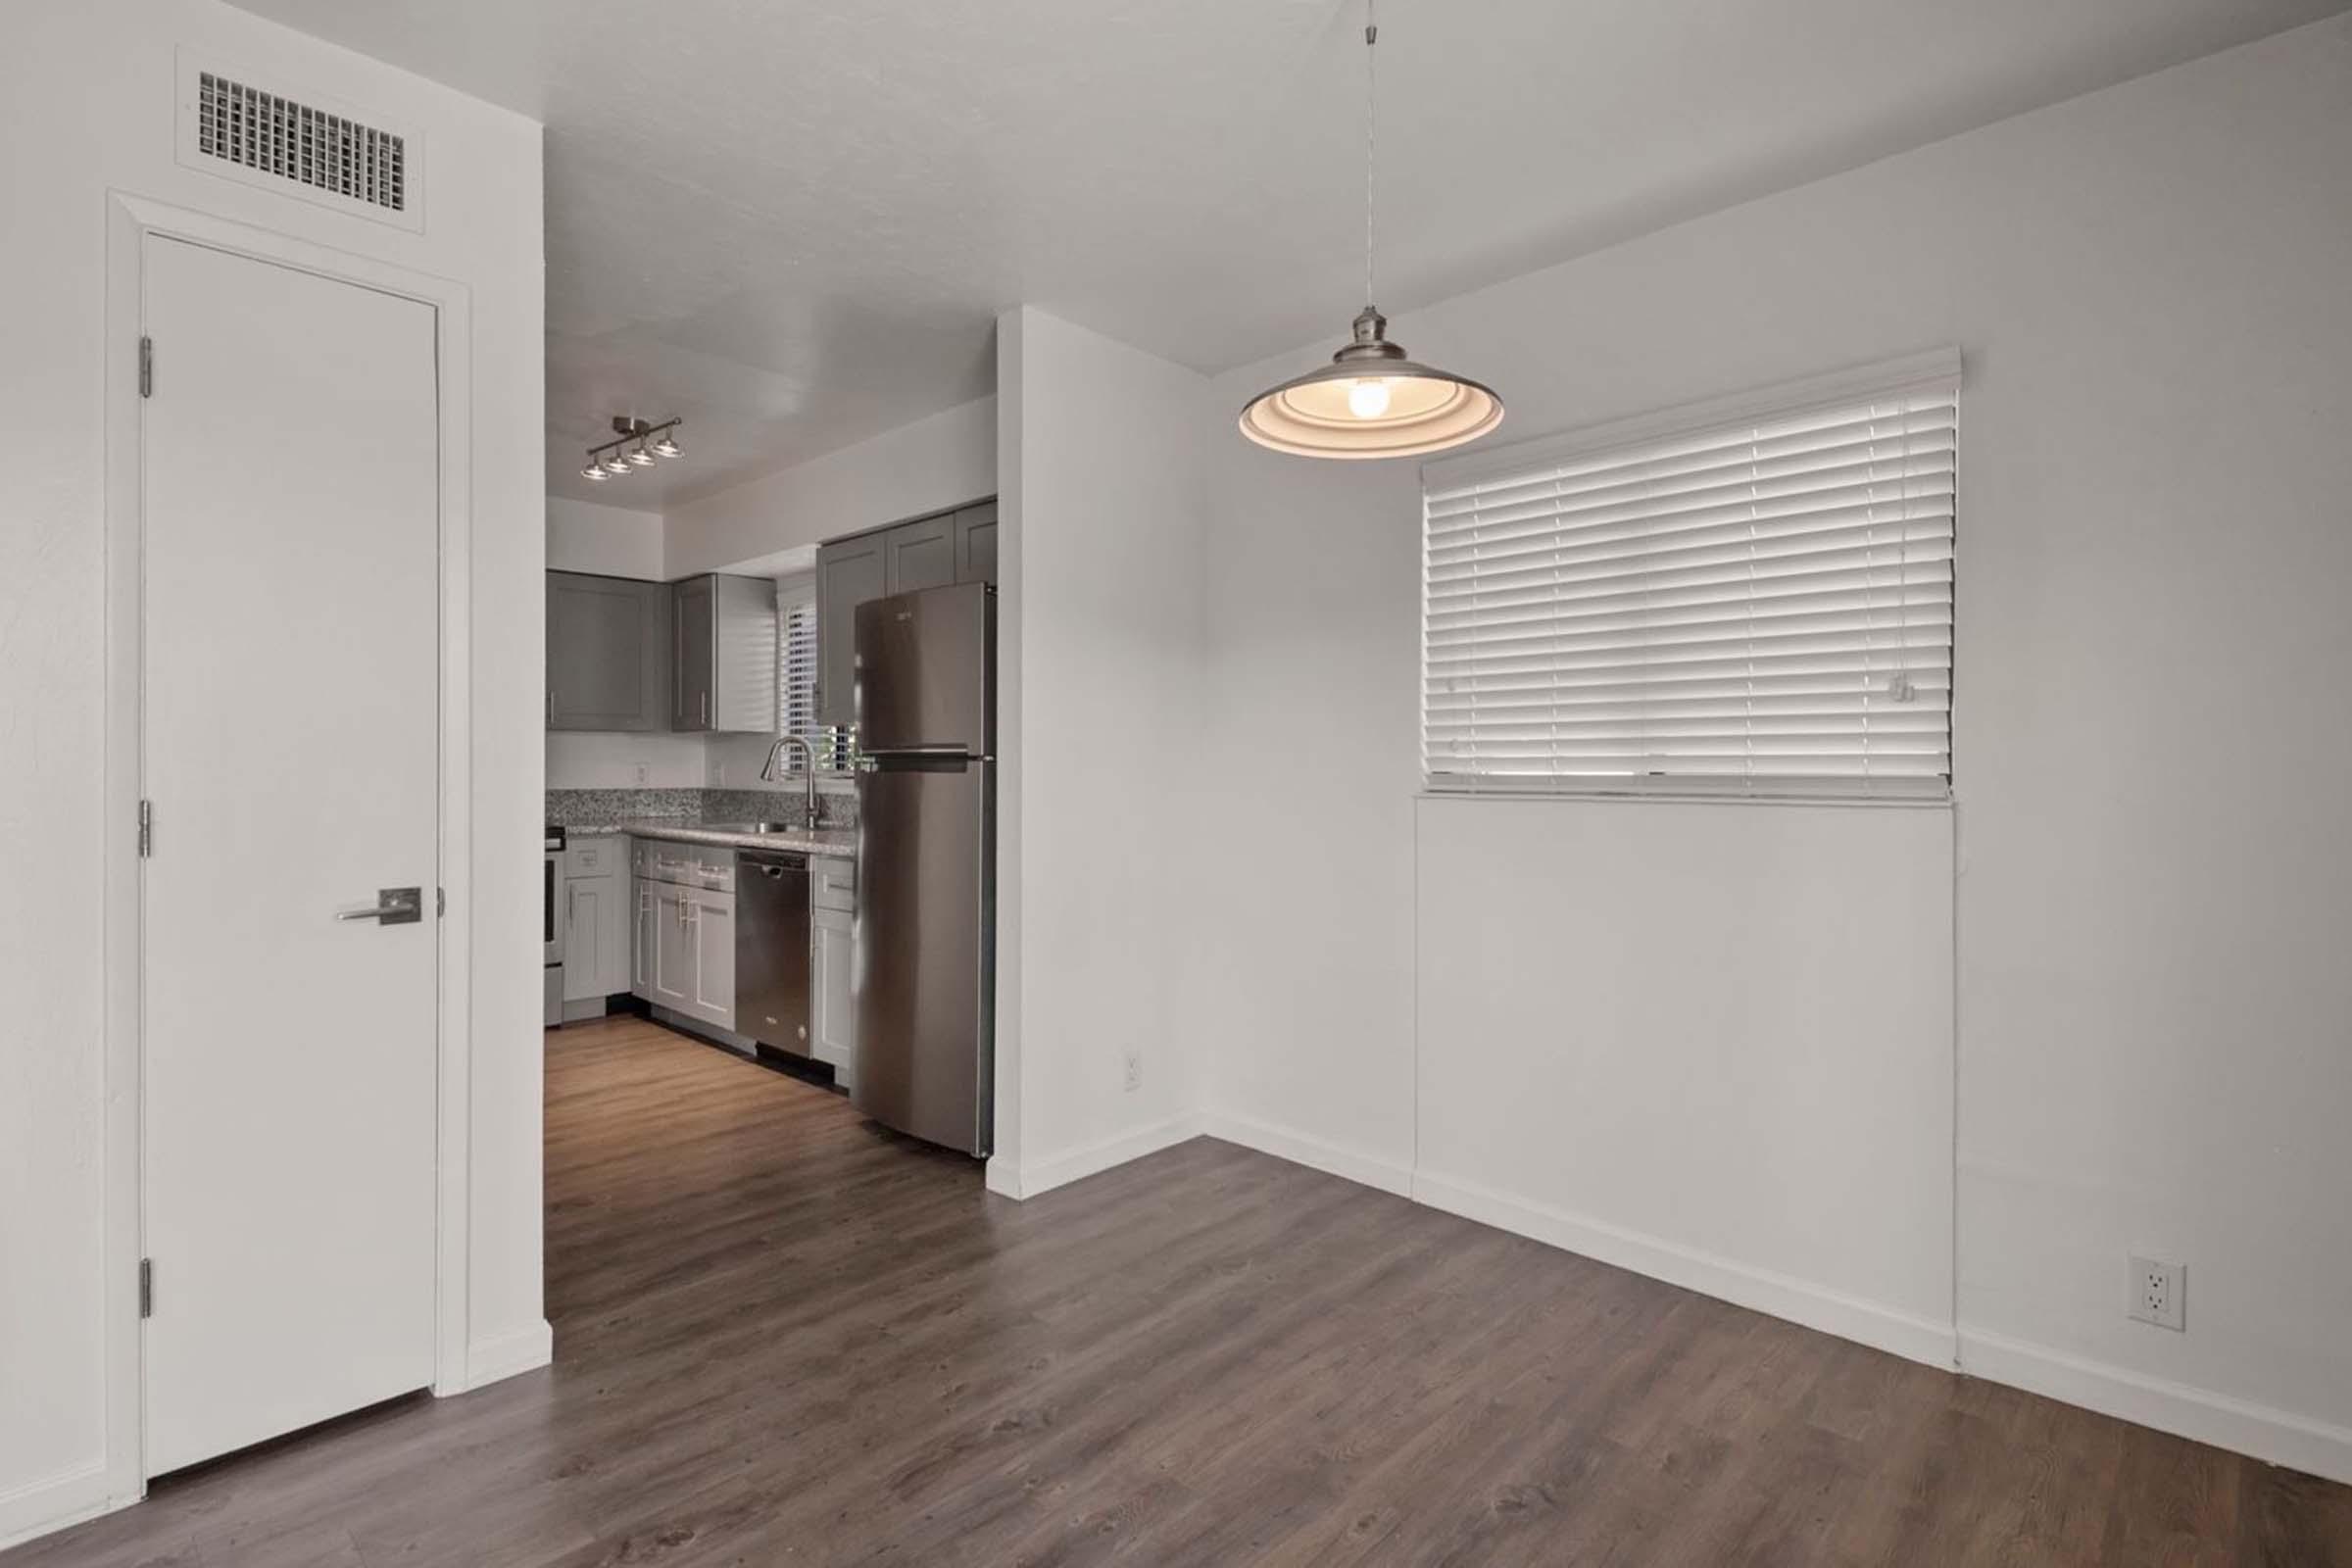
(710, 925)
(833, 967)
(596, 922)
(685, 950)
(832, 1000)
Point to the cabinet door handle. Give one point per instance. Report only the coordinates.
(705, 709)
(551, 704)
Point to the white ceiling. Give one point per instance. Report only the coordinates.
(793, 222)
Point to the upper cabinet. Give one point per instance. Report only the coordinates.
(608, 653)
(976, 543)
(848, 574)
(928, 553)
(919, 554)
(723, 655)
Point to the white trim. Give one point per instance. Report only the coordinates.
(1934, 367)
(51, 1502)
(1815, 1307)
(1316, 1153)
(506, 1355)
(1042, 1176)
(130, 220)
(2275, 1436)
(1882, 1327)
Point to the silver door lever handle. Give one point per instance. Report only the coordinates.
(393, 906)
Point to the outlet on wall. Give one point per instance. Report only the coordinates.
(643, 772)
(1135, 1071)
(2160, 1292)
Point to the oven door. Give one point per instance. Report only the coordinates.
(551, 907)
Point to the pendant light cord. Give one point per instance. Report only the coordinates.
(1371, 96)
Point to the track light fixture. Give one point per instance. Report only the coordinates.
(635, 445)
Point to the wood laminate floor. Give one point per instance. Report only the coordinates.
(785, 1337)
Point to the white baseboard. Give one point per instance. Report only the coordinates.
(1366, 1170)
(2275, 1436)
(51, 1503)
(1815, 1307)
(1033, 1177)
(505, 1356)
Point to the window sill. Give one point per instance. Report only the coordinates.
(1867, 803)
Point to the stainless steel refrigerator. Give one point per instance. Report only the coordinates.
(926, 706)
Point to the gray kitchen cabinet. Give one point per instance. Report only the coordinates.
(710, 926)
(723, 655)
(597, 922)
(692, 654)
(976, 543)
(674, 962)
(833, 1024)
(927, 553)
(608, 653)
(919, 554)
(646, 942)
(849, 572)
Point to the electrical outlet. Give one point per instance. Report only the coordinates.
(2160, 1292)
(1135, 1071)
(641, 775)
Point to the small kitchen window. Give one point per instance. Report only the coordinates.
(797, 656)
(1750, 597)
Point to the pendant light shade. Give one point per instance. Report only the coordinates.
(1371, 402)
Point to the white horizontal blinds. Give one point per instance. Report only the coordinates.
(796, 665)
(1758, 607)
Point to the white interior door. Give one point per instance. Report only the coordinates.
(291, 652)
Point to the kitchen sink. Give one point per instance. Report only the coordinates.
(752, 827)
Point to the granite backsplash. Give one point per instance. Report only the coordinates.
(583, 809)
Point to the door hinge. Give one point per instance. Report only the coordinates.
(146, 367)
(146, 1287)
(146, 829)
(440, 902)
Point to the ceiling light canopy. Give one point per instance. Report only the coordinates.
(1371, 400)
(638, 445)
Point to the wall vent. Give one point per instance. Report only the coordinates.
(295, 141)
(308, 146)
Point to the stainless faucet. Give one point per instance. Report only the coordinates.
(767, 770)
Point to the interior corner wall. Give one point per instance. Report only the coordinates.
(607, 541)
(101, 75)
(1099, 883)
(2154, 867)
(940, 461)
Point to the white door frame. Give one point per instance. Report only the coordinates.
(130, 220)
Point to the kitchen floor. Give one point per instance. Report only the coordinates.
(785, 1336)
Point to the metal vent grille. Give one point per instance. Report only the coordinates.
(275, 136)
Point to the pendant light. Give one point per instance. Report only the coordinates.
(1371, 400)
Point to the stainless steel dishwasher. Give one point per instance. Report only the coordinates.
(771, 948)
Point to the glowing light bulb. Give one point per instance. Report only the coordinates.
(1368, 399)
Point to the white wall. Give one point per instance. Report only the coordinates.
(101, 75)
(1099, 668)
(934, 464)
(2155, 868)
(596, 760)
(610, 541)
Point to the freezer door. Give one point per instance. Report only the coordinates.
(924, 951)
(922, 671)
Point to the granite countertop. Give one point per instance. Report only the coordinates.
(833, 843)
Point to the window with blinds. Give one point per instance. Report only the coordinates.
(1752, 598)
(795, 680)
